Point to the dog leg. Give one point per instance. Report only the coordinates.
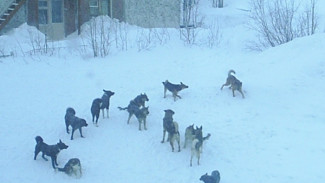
(165, 90)
(241, 93)
(139, 125)
(191, 159)
(80, 131)
(145, 124)
(164, 133)
(67, 127)
(54, 162)
(43, 156)
(172, 144)
(72, 133)
(178, 141)
(36, 152)
(233, 92)
(130, 115)
(103, 113)
(107, 113)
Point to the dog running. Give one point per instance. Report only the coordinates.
(171, 127)
(72, 167)
(174, 88)
(73, 121)
(234, 83)
(48, 150)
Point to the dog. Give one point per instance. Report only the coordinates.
(213, 178)
(48, 150)
(135, 104)
(174, 88)
(95, 109)
(72, 167)
(189, 135)
(196, 148)
(140, 113)
(234, 83)
(171, 127)
(73, 121)
(70, 113)
(105, 101)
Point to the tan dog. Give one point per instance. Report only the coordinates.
(234, 83)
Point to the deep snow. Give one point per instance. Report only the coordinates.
(273, 135)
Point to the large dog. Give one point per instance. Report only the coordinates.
(189, 135)
(197, 143)
(234, 83)
(213, 178)
(95, 109)
(174, 88)
(105, 101)
(48, 150)
(72, 167)
(140, 113)
(135, 105)
(171, 127)
(73, 121)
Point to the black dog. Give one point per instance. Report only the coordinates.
(105, 101)
(213, 178)
(49, 150)
(75, 122)
(72, 167)
(95, 109)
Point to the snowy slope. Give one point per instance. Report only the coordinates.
(273, 135)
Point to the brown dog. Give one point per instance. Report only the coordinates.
(234, 83)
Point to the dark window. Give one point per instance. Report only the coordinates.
(94, 7)
(42, 4)
(57, 16)
(42, 16)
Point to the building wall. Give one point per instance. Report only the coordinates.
(153, 13)
(18, 19)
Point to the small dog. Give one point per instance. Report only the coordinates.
(171, 127)
(95, 109)
(72, 167)
(74, 122)
(213, 178)
(48, 150)
(135, 105)
(197, 143)
(105, 101)
(234, 83)
(140, 113)
(174, 88)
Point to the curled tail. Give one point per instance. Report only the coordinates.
(231, 71)
(216, 175)
(38, 139)
(124, 108)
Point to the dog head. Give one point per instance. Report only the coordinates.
(62, 145)
(169, 112)
(203, 177)
(198, 133)
(108, 93)
(144, 97)
(145, 110)
(83, 122)
(183, 86)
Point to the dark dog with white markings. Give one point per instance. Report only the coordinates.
(171, 127)
(105, 102)
(48, 150)
(73, 121)
(174, 88)
(213, 178)
(135, 104)
(72, 167)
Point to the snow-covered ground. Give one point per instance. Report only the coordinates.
(276, 134)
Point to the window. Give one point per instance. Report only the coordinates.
(57, 15)
(94, 7)
(42, 12)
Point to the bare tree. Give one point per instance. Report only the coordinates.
(277, 21)
(217, 3)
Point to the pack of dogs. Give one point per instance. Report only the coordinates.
(193, 136)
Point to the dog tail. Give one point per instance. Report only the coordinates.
(231, 71)
(61, 169)
(38, 139)
(207, 137)
(122, 108)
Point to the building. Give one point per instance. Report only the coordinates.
(59, 18)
